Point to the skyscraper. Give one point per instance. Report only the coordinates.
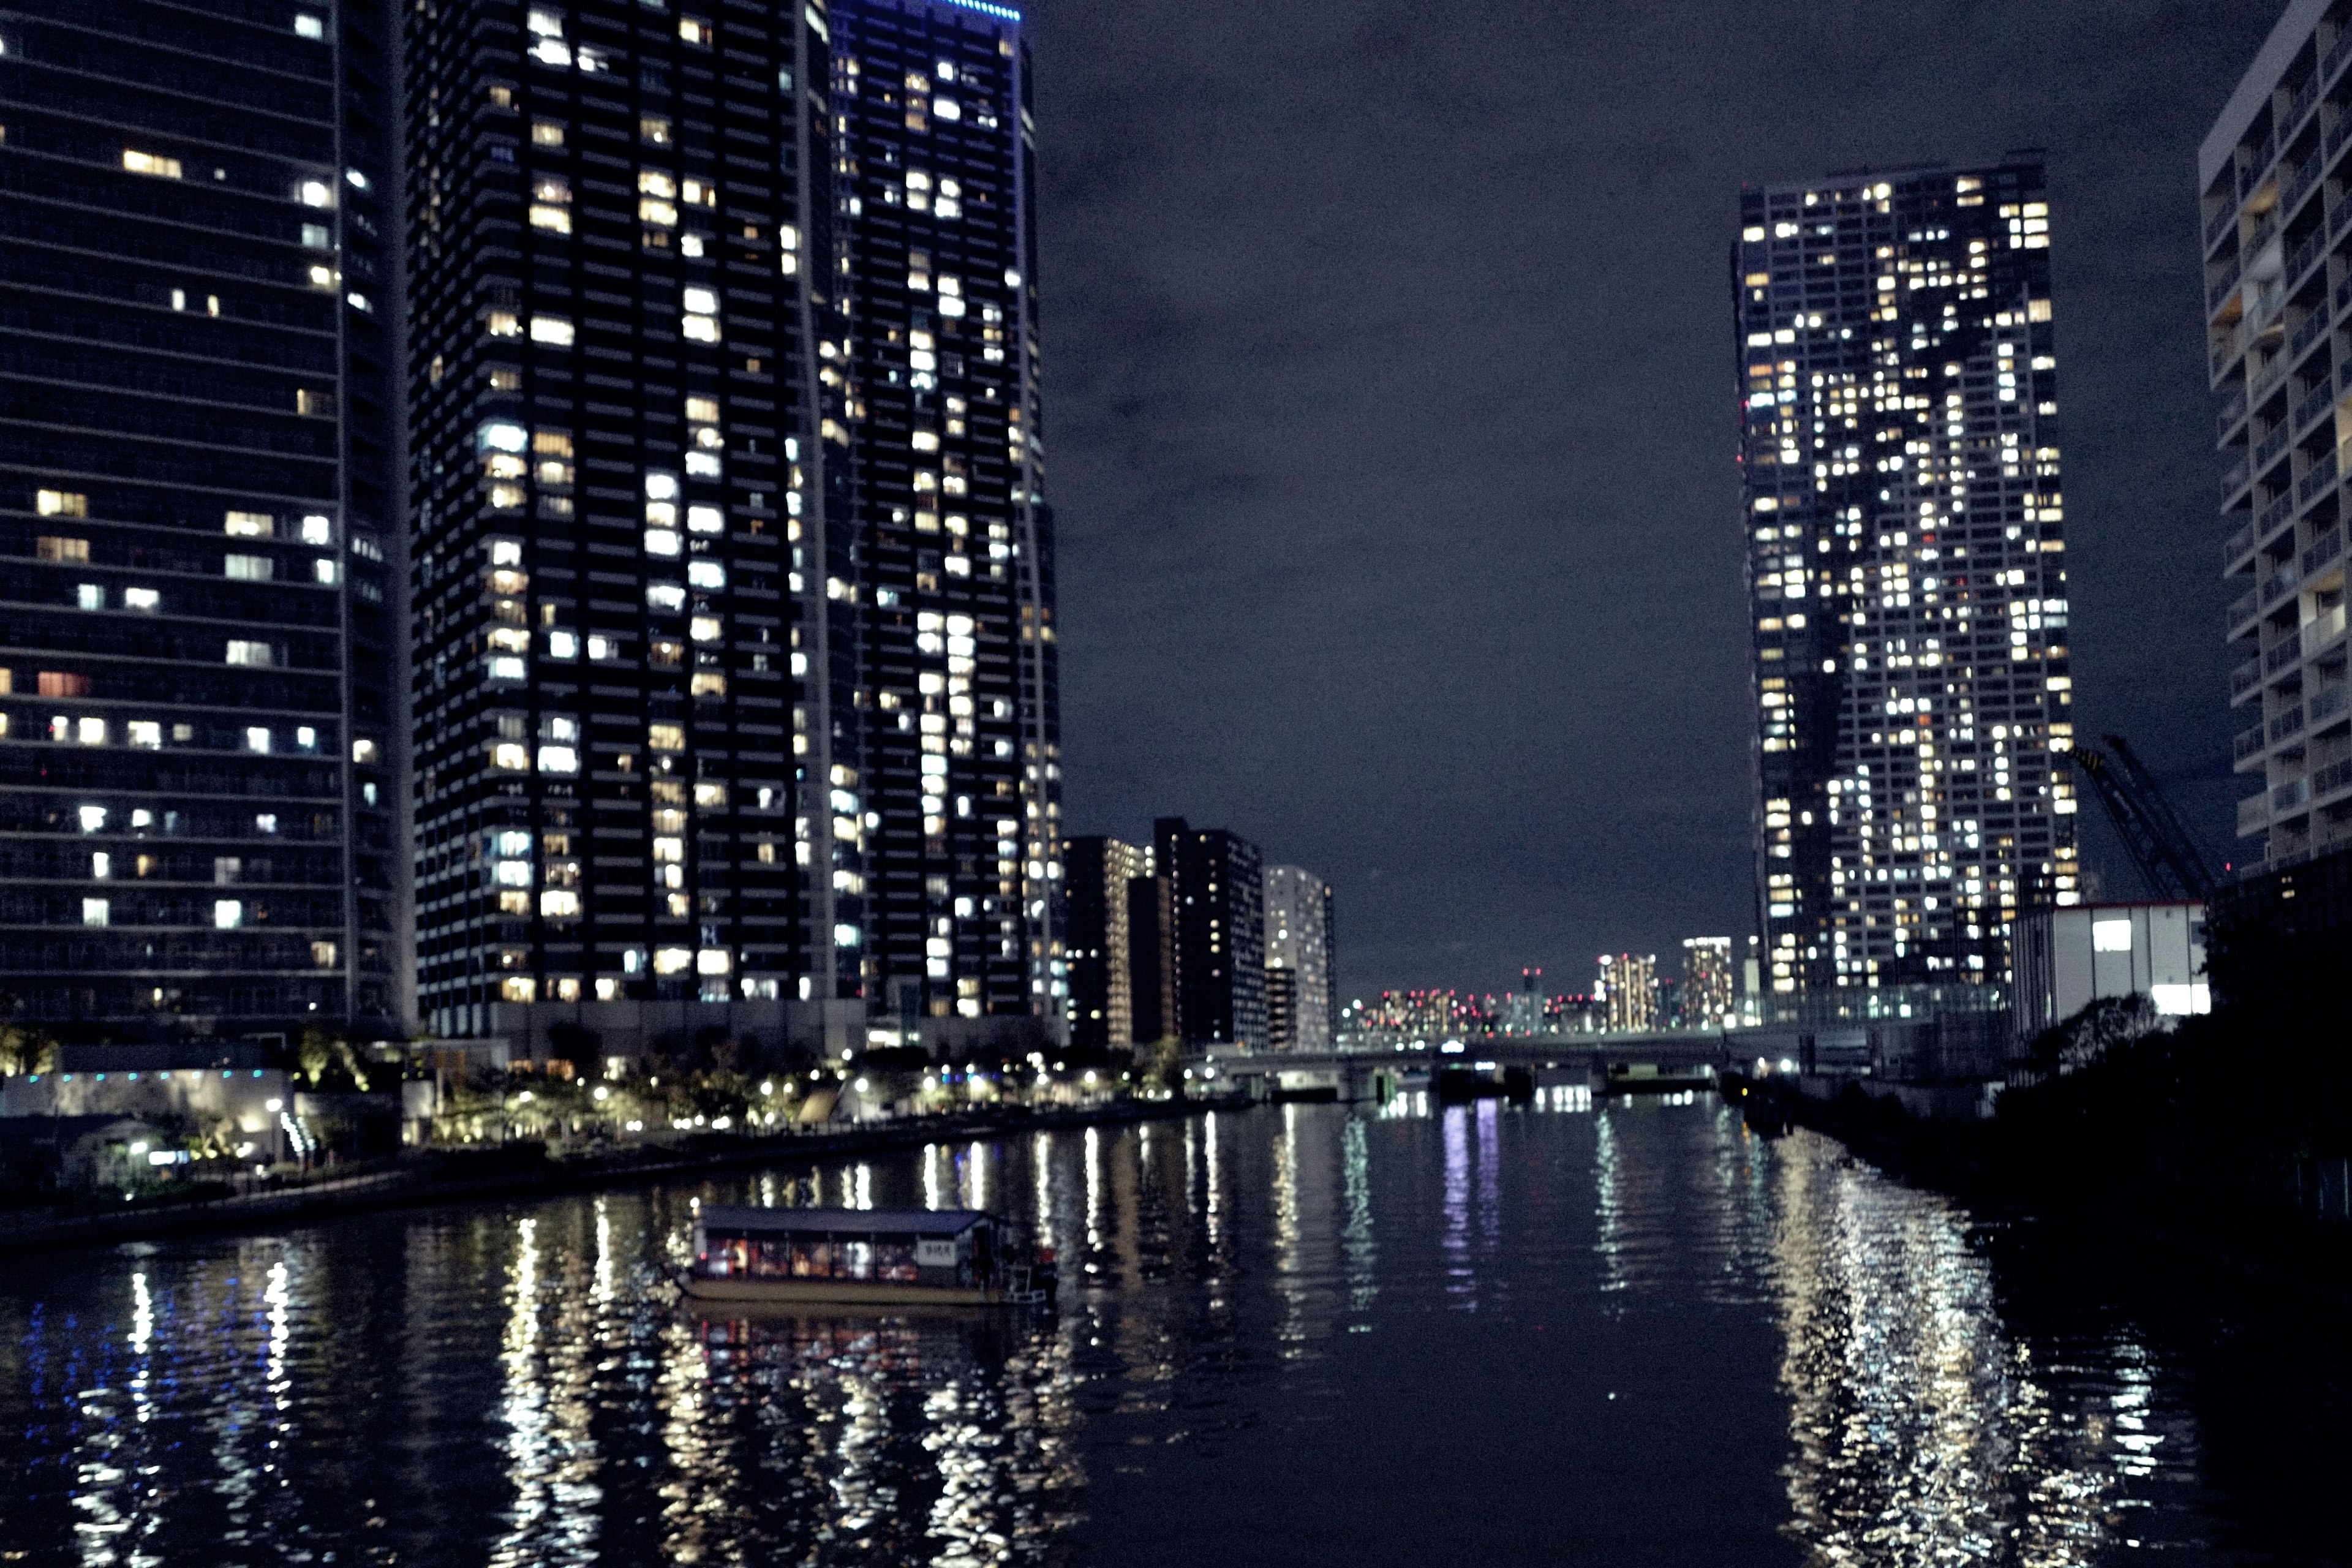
(1217, 899)
(1626, 990)
(199, 716)
(1098, 872)
(1900, 459)
(1302, 1005)
(734, 688)
(2274, 261)
(1708, 997)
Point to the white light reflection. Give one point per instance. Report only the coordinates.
(1356, 1240)
(1922, 1432)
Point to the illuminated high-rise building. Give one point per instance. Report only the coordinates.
(1217, 901)
(735, 692)
(1708, 996)
(2276, 255)
(1626, 990)
(1302, 1009)
(200, 732)
(1099, 873)
(1900, 462)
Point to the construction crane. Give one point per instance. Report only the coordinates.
(2159, 842)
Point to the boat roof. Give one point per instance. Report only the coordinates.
(852, 1222)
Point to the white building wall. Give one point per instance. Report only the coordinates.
(2069, 958)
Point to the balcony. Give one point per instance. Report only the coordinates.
(2300, 186)
(2314, 246)
(2220, 290)
(2270, 447)
(2282, 655)
(2235, 479)
(2328, 704)
(2338, 53)
(2324, 549)
(2221, 223)
(2249, 744)
(2253, 814)
(2286, 725)
(2321, 475)
(2238, 620)
(2322, 632)
(2274, 517)
(2315, 402)
(2247, 676)
(2233, 408)
(2312, 326)
(2281, 584)
(2289, 795)
(2235, 549)
(2329, 779)
(2341, 218)
(2298, 106)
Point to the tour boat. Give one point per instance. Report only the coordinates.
(880, 1257)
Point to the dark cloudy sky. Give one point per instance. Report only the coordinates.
(1392, 404)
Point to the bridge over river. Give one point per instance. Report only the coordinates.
(1609, 1062)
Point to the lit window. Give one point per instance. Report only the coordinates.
(705, 575)
(555, 330)
(559, 760)
(249, 568)
(315, 194)
(559, 903)
(309, 27)
(549, 133)
(94, 912)
(227, 914)
(250, 525)
(144, 732)
(661, 542)
(256, 739)
(665, 737)
(61, 503)
(150, 163)
(91, 595)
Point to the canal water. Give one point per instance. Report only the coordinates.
(1302, 1334)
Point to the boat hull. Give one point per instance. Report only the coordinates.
(841, 1292)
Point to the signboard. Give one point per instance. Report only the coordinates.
(935, 1254)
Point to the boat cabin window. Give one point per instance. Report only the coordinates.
(894, 1258)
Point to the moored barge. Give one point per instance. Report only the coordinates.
(880, 1257)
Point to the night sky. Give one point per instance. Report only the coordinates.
(1391, 409)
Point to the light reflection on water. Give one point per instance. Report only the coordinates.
(510, 1384)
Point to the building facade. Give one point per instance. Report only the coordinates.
(1905, 525)
(1302, 1004)
(200, 721)
(1626, 990)
(1099, 873)
(1710, 996)
(1217, 899)
(2276, 264)
(734, 700)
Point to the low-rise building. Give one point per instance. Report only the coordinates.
(2069, 958)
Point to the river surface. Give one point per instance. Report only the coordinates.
(1302, 1334)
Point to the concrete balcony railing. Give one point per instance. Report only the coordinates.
(2267, 450)
(2319, 399)
(2286, 726)
(2246, 678)
(2249, 744)
(2285, 654)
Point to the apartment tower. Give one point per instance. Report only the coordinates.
(1302, 1009)
(734, 684)
(1900, 470)
(2278, 278)
(1215, 903)
(200, 725)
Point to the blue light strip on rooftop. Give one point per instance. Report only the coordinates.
(1001, 13)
